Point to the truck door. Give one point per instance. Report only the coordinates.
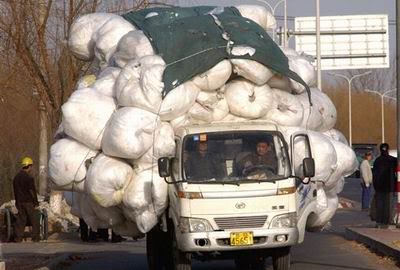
(300, 149)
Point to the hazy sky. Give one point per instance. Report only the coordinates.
(296, 8)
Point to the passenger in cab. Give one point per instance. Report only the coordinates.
(202, 164)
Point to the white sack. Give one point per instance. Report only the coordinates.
(140, 83)
(322, 218)
(233, 118)
(86, 81)
(129, 133)
(180, 121)
(252, 70)
(149, 191)
(305, 70)
(106, 80)
(248, 100)
(346, 163)
(80, 41)
(178, 101)
(322, 116)
(146, 220)
(85, 116)
(286, 109)
(209, 107)
(96, 216)
(107, 37)
(67, 164)
(106, 180)
(163, 145)
(322, 150)
(259, 14)
(336, 135)
(132, 45)
(281, 82)
(322, 200)
(215, 77)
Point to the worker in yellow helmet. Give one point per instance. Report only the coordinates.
(26, 201)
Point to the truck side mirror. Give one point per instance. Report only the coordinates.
(308, 167)
(164, 167)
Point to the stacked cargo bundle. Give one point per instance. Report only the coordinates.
(120, 122)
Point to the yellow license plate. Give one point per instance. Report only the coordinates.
(241, 238)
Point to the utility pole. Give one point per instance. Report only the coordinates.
(43, 150)
(398, 109)
(382, 95)
(349, 80)
(318, 45)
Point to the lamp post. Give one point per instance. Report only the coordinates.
(349, 80)
(382, 95)
(273, 8)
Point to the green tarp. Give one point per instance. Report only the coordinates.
(192, 40)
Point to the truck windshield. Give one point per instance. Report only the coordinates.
(235, 156)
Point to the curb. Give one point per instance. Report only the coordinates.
(375, 245)
(52, 265)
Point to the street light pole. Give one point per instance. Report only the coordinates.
(318, 44)
(349, 80)
(273, 8)
(382, 95)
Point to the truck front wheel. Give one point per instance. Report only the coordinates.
(181, 260)
(158, 249)
(281, 258)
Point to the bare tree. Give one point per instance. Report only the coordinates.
(378, 80)
(34, 58)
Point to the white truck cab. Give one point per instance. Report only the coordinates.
(233, 194)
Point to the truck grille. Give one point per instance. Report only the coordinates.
(240, 222)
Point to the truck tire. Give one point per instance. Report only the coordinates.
(8, 225)
(44, 225)
(158, 250)
(281, 259)
(181, 260)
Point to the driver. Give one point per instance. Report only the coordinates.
(264, 158)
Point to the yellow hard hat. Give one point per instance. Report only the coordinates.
(26, 161)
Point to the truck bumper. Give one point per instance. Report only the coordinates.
(220, 240)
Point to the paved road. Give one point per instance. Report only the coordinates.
(324, 250)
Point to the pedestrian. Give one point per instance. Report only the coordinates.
(384, 182)
(26, 201)
(366, 181)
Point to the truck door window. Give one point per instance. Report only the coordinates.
(300, 148)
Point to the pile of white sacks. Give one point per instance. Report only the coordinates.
(117, 125)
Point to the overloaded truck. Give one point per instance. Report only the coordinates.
(200, 132)
(247, 215)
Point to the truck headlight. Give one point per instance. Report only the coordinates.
(284, 221)
(194, 225)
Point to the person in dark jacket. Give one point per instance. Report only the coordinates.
(384, 182)
(26, 201)
(203, 165)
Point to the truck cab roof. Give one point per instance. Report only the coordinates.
(226, 126)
